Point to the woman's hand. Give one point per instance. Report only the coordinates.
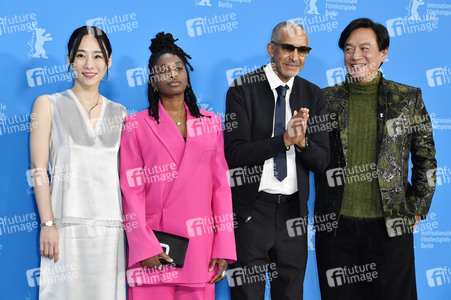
(49, 242)
(222, 268)
(154, 261)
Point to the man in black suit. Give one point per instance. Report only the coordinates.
(270, 155)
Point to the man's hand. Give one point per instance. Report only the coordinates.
(296, 128)
(418, 218)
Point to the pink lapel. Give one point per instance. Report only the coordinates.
(168, 133)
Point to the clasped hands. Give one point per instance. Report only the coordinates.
(154, 261)
(296, 128)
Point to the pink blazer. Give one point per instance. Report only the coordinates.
(176, 187)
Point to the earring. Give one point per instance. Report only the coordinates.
(188, 86)
(109, 76)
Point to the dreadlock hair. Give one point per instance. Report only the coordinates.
(164, 43)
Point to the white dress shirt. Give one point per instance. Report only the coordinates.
(269, 183)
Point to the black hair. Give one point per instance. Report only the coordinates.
(77, 36)
(382, 37)
(164, 43)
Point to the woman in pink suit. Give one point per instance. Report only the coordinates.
(174, 180)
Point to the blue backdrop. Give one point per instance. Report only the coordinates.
(226, 39)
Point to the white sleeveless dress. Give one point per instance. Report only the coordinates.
(86, 201)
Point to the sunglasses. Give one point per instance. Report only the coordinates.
(302, 50)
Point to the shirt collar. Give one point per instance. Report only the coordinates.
(274, 80)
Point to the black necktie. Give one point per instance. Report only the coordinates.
(280, 161)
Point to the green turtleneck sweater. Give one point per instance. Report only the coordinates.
(362, 197)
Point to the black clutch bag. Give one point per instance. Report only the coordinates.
(173, 245)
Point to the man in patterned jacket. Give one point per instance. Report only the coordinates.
(375, 124)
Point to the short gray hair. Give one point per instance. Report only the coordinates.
(275, 36)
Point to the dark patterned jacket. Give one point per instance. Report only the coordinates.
(403, 128)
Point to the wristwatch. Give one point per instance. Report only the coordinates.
(48, 223)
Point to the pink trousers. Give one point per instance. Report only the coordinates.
(171, 292)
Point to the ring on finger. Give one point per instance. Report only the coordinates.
(223, 273)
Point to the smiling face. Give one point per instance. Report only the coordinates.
(89, 65)
(171, 78)
(287, 65)
(362, 55)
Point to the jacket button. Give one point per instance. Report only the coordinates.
(248, 219)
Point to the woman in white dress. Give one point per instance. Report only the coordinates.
(76, 137)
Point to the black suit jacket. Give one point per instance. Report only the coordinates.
(250, 104)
